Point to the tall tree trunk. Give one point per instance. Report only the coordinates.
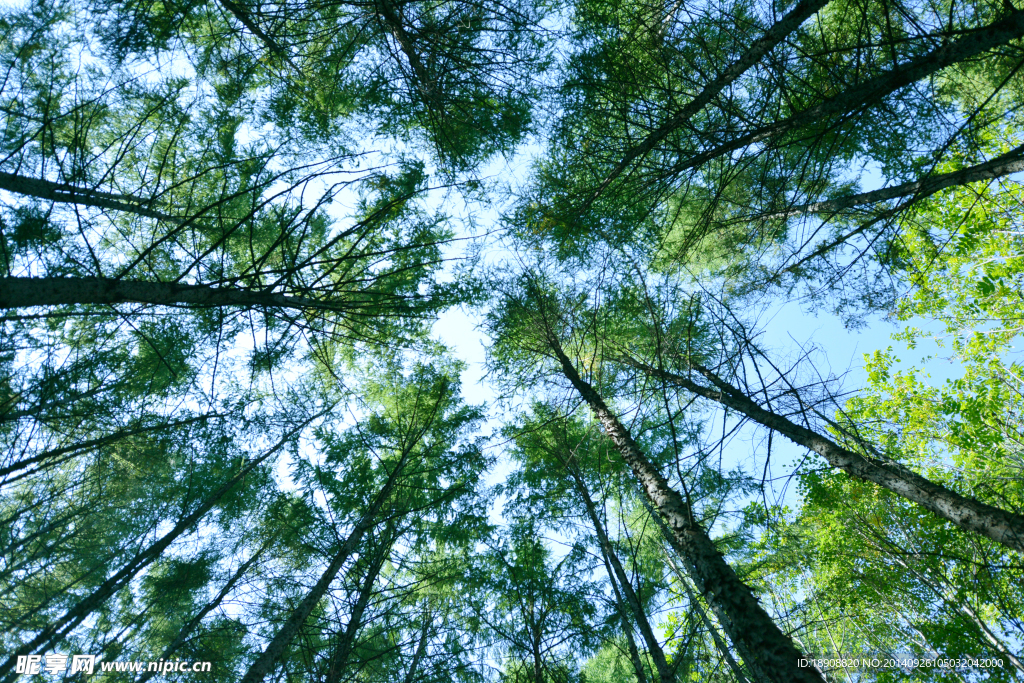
(76, 449)
(768, 652)
(421, 647)
(65, 193)
(967, 513)
(757, 50)
(1002, 165)
(722, 646)
(394, 22)
(259, 669)
(653, 646)
(874, 89)
(538, 662)
(22, 292)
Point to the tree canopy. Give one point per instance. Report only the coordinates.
(233, 445)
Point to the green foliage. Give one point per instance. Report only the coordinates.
(861, 550)
(245, 219)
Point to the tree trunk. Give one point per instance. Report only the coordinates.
(722, 646)
(763, 646)
(627, 629)
(393, 21)
(1003, 165)
(186, 631)
(967, 513)
(758, 49)
(653, 646)
(421, 647)
(875, 89)
(64, 193)
(75, 449)
(22, 292)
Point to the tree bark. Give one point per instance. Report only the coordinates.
(538, 662)
(70, 194)
(874, 89)
(722, 646)
(345, 644)
(186, 630)
(769, 652)
(1003, 165)
(393, 21)
(627, 629)
(23, 292)
(967, 513)
(421, 647)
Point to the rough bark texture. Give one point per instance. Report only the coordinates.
(768, 652)
(71, 194)
(1003, 165)
(967, 513)
(23, 292)
(697, 607)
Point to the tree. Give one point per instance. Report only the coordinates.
(529, 324)
(538, 608)
(227, 229)
(548, 442)
(729, 145)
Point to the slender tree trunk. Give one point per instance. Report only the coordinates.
(1003, 165)
(242, 14)
(421, 647)
(259, 669)
(65, 193)
(763, 646)
(22, 292)
(75, 449)
(653, 646)
(967, 513)
(538, 663)
(757, 50)
(339, 660)
(393, 21)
